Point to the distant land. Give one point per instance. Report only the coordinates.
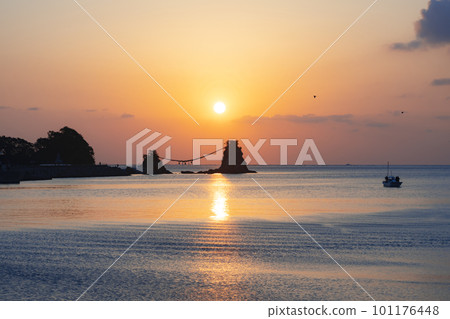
(63, 153)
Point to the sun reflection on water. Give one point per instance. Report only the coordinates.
(219, 206)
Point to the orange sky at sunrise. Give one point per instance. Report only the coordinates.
(59, 68)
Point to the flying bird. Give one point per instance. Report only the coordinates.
(315, 96)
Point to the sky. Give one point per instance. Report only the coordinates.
(59, 68)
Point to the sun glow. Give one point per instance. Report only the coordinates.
(219, 107)
(219, 207)
(220, 203)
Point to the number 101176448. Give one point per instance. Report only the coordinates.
(405, 310)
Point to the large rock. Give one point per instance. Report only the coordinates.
(156, 170)
(232, 161)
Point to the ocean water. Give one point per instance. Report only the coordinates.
(226, 239)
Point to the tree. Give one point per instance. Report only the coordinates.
(67, 145)
(16, 150)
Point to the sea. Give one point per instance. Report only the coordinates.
(284, 233)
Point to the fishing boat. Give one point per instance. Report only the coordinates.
(390, 180)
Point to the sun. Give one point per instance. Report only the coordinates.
(219, 107)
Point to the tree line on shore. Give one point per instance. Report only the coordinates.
(65, 146)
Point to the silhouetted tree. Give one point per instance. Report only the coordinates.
(67, 145)
(16, 150)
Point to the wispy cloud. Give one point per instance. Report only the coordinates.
(348, 119)
(3, 107)
(408, 46)
(397, 113)
(91, 110)
(33, 109)
(433, 29)
(308, 118)
(377, 124)
(443, 117)
(443, 81)
(126, 116)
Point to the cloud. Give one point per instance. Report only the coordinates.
(409, 96)
(33, 109)
(348, 119)
(126, 116)
(91, 110)
(2, 107)
(309, 118)
(409, 46)
(344, 118)
(377, 124)
(434, 27)
(432, 30)
(443, 117)
(438, 82)
(397, 113)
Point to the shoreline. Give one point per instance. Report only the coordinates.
(17, 174)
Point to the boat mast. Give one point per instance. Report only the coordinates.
(387, 169)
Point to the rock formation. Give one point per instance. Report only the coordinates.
(232, 161)
(156, 169)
